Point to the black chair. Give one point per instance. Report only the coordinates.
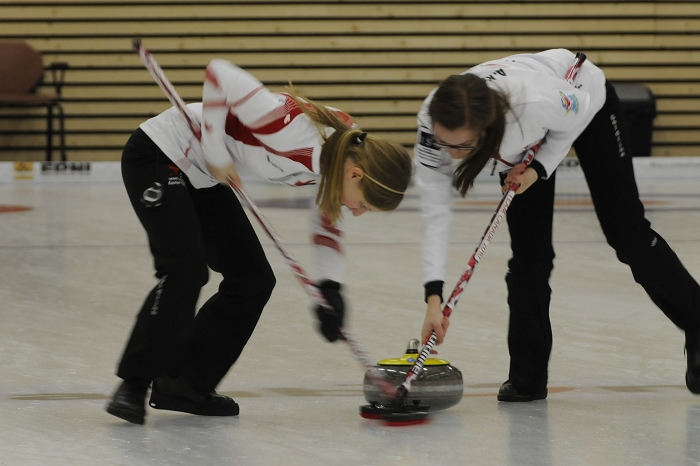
(21, 73)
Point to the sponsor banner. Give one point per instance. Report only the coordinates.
(57, 172)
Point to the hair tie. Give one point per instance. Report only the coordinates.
(359, 139)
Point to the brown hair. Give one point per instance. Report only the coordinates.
(386, 165)
(465, 100)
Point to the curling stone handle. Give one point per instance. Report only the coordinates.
(412, 346)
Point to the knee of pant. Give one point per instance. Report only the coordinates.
(194, 271)
(527, 266)
(527, 283)
(268, 282)
(638, 249)
(262, 281)
(201, 275)
(621, 256)
(258, 283)
(625, 238)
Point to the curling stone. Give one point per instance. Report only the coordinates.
(438, 386)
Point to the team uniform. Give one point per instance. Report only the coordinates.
(584, 116)
(199, 222)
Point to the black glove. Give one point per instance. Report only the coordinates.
(331, 321)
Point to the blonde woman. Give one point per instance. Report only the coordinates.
(178, 189)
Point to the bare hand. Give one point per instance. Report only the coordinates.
(225, 174)
(434, 321)
(520, 175)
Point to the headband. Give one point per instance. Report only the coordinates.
(383, 185)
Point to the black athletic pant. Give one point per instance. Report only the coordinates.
(190, 230)
(604, 153)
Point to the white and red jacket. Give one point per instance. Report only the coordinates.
(542, 102)
(261, 132)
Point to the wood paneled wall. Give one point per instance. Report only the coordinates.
(376, 60)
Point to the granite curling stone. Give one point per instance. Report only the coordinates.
(438, 386)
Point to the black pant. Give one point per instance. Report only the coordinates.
(613, 188)
(190, 230)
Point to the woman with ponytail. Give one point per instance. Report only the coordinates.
(496, 112)
(178, 187)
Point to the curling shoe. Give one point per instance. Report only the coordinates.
(178, 394)
(129, 401)
(692, 354)
(508, 392)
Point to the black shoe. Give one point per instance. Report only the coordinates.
(129, 401)
(692, 354)
(508, 392)
(178, 394)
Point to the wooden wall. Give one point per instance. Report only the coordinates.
(376, 60)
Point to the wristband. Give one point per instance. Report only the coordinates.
(434, 288)
(539, 168)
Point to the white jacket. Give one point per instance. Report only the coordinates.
(263, 133)
(542, 102)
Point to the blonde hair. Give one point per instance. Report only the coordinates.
(386, 165)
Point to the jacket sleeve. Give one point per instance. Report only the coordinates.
(228, 88)
(434, 178)
(328, 250)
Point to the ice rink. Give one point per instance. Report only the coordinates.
(75, 267)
